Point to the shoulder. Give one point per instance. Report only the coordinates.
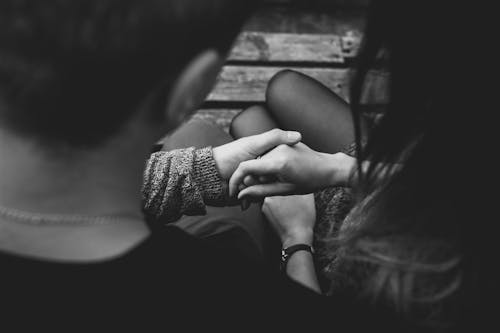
(170, 277)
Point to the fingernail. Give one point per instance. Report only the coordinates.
(293, 136)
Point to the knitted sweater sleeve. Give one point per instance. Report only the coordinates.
(181, 182)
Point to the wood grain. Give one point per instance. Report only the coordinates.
(249, 83)
(339, 21)
(316, 37)
(320, 3)
(223, 117)
(283, 47)
(219, 117)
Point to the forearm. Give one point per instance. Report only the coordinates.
(338, 169)
(300, 265)
(342, 170)
(300, 268)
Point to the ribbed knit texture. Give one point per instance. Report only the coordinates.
(332, 207)
(180, 182)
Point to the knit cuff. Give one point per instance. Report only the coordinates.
(207, 177)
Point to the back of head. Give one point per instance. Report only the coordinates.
(73, 72)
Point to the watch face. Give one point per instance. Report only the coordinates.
(284, 255)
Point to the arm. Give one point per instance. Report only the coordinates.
(298, 170)
(300, 268)
(293, 169)
(293, 219)
(182, 181)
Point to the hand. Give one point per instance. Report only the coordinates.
(293, 218)
(293, 170)
(227, 157)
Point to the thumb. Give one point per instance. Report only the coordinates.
(264, 142)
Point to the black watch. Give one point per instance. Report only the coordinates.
(287, 252)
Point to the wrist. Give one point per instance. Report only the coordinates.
(299, 251)
(302, 236)
(218, 154)
(340, 169)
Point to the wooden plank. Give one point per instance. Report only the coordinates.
(320, 3)
(223, 117)
(299, 20)
(249, 83)
(283, 47)
(343, 30)
(219, 117)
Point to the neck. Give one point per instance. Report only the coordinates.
(102, 181)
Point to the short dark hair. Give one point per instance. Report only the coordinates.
(73, 72)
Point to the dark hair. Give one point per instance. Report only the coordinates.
(411, 242)
(72, 72)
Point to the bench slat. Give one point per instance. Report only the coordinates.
(302, 21)
(219, 117)
(283, 47)
(320, 3)
(223, 117)
(248, 83)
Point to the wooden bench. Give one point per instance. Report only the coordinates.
(319, 43)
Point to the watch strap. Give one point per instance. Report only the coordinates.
(287, 252)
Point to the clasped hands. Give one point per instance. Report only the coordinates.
(274, 164)
(278, 163)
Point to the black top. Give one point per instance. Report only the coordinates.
(171, 281)
(170, 278)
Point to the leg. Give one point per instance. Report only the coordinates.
(298, 102)
(199, 133)
(254, 120)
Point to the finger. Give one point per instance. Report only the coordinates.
(264, 190)
(251, 167)
(266, 141)
(265, 179)
(250, 180)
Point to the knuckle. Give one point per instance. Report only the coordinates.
(275, 132)
(243, 166)
(282, 162)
